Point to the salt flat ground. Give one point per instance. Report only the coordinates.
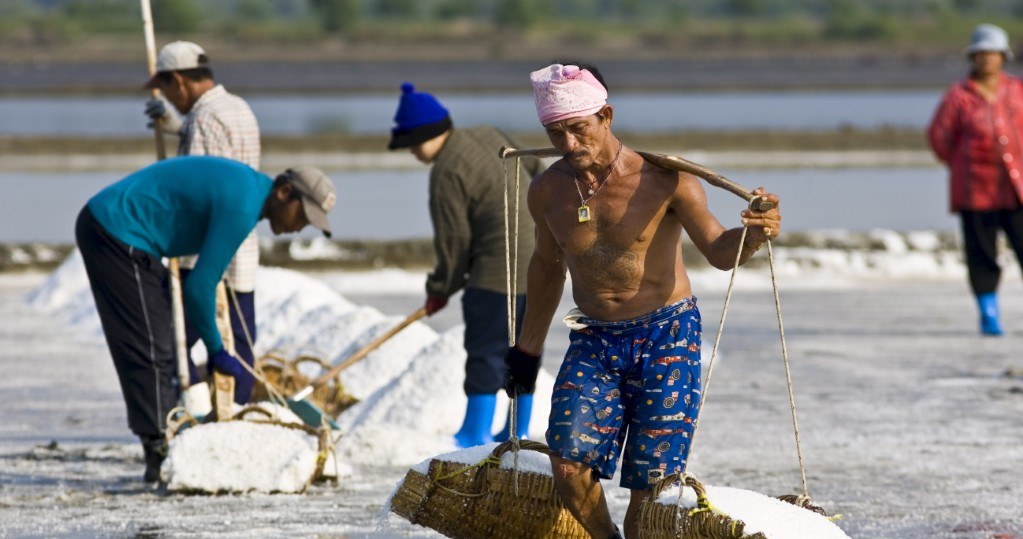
(911, 423)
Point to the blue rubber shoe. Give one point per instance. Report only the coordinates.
(479, 416)
(989, 322)
(523, 410)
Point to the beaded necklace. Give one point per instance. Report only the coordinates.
(584, 211)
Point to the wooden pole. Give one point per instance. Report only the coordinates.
(177, 308)
(670, 162)
(147, 28)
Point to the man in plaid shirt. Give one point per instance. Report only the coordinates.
(215, 123)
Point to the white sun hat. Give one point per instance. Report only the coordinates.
(988, 37)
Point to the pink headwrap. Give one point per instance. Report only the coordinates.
(564, 92)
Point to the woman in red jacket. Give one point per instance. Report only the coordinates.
(976, 132)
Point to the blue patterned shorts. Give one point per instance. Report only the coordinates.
(641, 376)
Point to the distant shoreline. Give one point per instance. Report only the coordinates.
(640, 73)
(845, 139)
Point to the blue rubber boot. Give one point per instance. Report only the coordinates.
(989, 323)
(479, 416)
(523, 410)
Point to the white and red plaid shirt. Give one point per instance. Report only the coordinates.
(223, 125)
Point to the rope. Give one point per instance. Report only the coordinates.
(784, 353)
(435, 481)
(788, 372)
(511, 233)
(275, 396)
(717, 342)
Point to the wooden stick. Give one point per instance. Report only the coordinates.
(177, 308)
(508, 152)
(147, 28)
(670, 162)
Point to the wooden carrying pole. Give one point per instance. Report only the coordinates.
(677, 163)
(670, 162)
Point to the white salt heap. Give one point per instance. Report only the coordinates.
(772, 517)
(410, 387)
(242, 456)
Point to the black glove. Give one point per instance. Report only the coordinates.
(520, 374)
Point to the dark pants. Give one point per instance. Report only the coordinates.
(130, 288)
(980, 235)
(247, 303)
(486, 338)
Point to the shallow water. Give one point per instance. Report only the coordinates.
(392, 204)
(646, 112)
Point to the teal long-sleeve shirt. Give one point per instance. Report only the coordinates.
(188, 205)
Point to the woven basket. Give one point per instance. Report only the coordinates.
(480, 501)
(662, 521)
(286, 377)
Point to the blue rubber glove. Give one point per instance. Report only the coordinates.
(520, 376)
(225, 363)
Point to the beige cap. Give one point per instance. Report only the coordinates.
(178, 56)
(318, 195)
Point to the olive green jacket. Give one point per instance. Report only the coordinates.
(467, 186)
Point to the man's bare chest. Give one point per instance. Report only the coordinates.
(625, 222)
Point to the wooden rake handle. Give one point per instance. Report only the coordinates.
(677, 163)
(365, 350)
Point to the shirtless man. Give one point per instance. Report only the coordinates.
(615, 222)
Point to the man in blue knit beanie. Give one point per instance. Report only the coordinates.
(467, 189)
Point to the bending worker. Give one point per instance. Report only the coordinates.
(467, 190)
(977, 132)
(631, 376)
(176, 207)
(219, 123)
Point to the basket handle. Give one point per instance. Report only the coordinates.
(686, 480)
(320, 362)
(529, 445)
(273, 357)
(252, 409)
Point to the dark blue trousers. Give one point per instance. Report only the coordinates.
(247, 301)
(486, 338)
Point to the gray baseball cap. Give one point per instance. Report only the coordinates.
(318, 195)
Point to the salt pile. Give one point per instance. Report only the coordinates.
(417, 411)
(772, 517)
(410, 387)
(243, 456)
